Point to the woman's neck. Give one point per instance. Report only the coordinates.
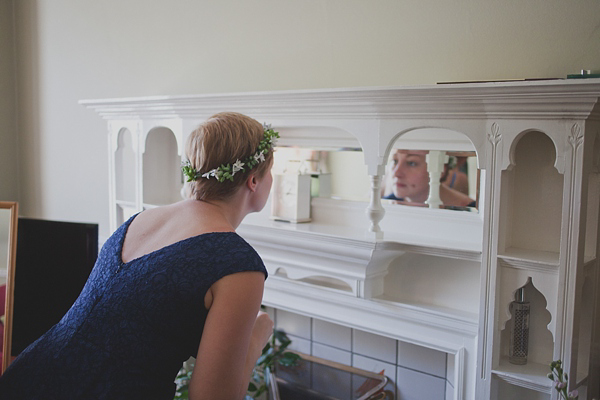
(224, 213)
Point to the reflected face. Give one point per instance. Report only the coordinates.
(410, 179)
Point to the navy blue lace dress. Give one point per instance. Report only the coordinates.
(133, 325)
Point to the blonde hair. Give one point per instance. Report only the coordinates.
(223, 139)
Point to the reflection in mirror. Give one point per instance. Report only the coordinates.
(339, 174)
(432, 178)
(8, 252)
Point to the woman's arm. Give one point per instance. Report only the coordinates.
(232, 339)
(451, 197)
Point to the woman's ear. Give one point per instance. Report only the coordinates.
(251, 182)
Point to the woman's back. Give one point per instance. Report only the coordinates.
(134, 323)
(170, 283)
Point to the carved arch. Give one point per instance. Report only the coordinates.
(512, 162)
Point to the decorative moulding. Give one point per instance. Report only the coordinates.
(365, 114)
(350, 266)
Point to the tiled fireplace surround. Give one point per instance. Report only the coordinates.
(413, 372)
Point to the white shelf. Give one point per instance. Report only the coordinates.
(126, 203)
(589, 262)
(530, 259)
(441, 312)
(532, 375)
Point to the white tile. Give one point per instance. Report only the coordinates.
(374, 346)
(299, 344)
(422, 359)
(332, 334)
(414, 385)
(449, 391)
(293, 324)
(375, 366)
(331, 354)
(450, 369)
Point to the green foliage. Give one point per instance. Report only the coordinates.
(273, 353)
(190, 173)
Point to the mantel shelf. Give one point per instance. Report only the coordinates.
(384, 315)
(440, 312)
(351, 236)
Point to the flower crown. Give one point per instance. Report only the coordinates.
(227, 171)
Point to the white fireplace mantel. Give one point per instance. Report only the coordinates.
(437, 278)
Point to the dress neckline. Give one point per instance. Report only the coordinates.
(125, 229)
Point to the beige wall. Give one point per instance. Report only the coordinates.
(69, 50)
(8, 120)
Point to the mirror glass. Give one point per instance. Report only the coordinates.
(8, 251)
(342, 173)
(339, 174)
(413, 176)
(432, 167)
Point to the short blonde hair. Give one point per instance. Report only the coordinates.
(223, 139)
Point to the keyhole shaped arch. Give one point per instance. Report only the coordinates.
(541, 135)
(541, 321)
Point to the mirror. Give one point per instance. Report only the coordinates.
(432, 178)
(337, 174)
(8, 253)
(344, 173)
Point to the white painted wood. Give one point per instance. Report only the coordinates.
(436, 160)
(538, 146)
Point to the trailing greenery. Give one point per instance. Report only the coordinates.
(182, 382)
(273, 353)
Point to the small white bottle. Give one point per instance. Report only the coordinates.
(519, 332)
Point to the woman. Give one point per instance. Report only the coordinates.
(172, 282)
(410, 181)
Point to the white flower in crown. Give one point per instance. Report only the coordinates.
(212, 172)
(238, 166)
(266, 127)
(259, 157)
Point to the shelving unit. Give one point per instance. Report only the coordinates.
(539, 221)
(436, 278)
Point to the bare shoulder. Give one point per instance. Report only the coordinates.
(158, 227)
